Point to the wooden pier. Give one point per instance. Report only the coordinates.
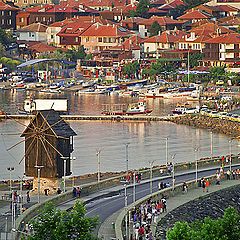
(144, 118)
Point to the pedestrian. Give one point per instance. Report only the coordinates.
(228, 174)
(59, 191)
(218, 178)
(141, 232)
(184, 187)
(164, 202)
(46, 191)
(74, 192)
(207, 183)
(78, 191)
(203, 184)
(28, 197)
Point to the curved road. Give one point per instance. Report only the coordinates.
(105, 207)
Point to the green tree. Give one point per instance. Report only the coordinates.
(194, 3)
(154, 29)
(177, 11)
(74, 55)
(217, 72)
(54, 224)
(131, 68)
(142, 8)
(194, 59)
(224, 228)
(5, 37)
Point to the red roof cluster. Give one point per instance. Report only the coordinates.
(162, 21)
(233, 38)
(194, 14)
(7, 7)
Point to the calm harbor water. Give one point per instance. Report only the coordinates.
(147, 140)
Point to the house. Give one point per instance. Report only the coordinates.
(166, 23)
(131, 23)
(167, 40)
(8, 16)
(50, 13)
(33, 32)
(232, 22)
(233, 3)
(26, 3)
(99, 37)
(100, 5)
(194, 16)
(224, 49)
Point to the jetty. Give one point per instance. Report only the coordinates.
(98, 117)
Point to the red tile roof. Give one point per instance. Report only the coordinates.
(166, 37)
(225, 8)
(233, 38)
(157, 2)
(106, 31)
(195, 14)
(42, 47)
(7, 7)
(172, 5)
(230, 21)
(34, 27)
(156, 10)
(162, 21)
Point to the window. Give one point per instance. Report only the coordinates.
(36, 19)
(104, 40)
(10, 13)
(99, 39)
(25, 1)
(87, 39)
(76, 39)
(44, 19)
(2, 12)
(2, 21)
(10, 21)
(51, 36)
(35, 1)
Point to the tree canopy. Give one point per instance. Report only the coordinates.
(54, 224)
(154, 29)
(141, 10)
(224, 228)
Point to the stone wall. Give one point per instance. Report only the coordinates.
(215, 124)
(212, 205)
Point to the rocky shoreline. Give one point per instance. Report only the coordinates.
(212, 206)
(223, 126)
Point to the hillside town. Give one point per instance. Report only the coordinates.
(110, 33)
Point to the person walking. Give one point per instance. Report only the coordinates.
(228, 174)
(207, 183)
(203, 184)
(184, 187)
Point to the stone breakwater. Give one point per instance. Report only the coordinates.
(212, 206)
(214, 124)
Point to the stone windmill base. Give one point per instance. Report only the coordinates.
(47, 185)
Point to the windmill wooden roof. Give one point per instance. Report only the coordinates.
(58, 126)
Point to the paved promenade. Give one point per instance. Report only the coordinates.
(106, 230)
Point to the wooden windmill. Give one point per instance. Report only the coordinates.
(48, 138)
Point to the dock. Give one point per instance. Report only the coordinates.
(140, 118)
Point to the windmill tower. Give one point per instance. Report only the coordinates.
(48, 139)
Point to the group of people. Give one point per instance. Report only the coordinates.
(76, 192)
(204, 183)
(144, 215)
(130, 177)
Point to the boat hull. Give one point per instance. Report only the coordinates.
(128, 113)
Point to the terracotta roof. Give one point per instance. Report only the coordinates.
(172, 5)
(210, 28)
(106, 31)
(233, 38)
(166, 37)
(42, 47)
(34, 27)
(157, 2)
(74, 29)
(195, 14)
(132, 42)
(96, 3)
(224, 8)
(162, 21)
(23, 14)
(230, 21)
(133, 20)
(156, 10)
(7, 7)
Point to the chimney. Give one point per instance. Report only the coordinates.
(192, 35)
(219, 31)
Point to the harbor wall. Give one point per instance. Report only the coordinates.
(217, 125)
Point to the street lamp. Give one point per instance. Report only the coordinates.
(127, 145)
(151, 176)
(125, 197)
(166, 152)
(230, 155)
(98, 161)
(134, 187)
(196, 162)
(173, 172)
(211, 145)
(73, 159)
(38, 171)
(10, 169)
(64, 172)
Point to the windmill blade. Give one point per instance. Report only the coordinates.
(50, 135)
(8, 116)
(19, 143)
(30, 145)
(45, 148)
(52, 125)
(36, 162)
(54, 148)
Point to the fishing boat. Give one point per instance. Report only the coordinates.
(132, 109)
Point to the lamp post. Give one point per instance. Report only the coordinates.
(230, 155)
(39, 171)
(73, 159)
(173, 172)
(126, 222)
(10, 169)
(134, 187)
(166, 151)
(211, 145)
(151, 176)
(98, 162)
(64, 172)
(126, 147)
(196, 163)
